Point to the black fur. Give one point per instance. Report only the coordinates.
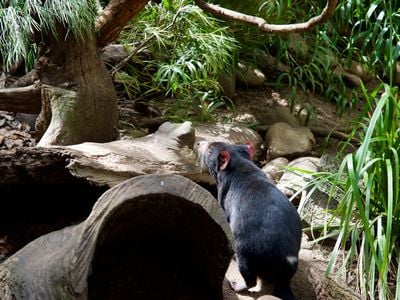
(265, 225)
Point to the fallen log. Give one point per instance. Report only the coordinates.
(170, 150)
(150, 237)
(21, 99)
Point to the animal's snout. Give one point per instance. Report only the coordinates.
(202, 147)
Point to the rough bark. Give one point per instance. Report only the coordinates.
(114, 17)
(47, 165)
(263, 25)
(24, 95)
(78, 100)
(167, 151)
(79, 91)
(22, 99)
(28, 79)
(138, 232)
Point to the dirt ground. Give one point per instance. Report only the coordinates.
(259, 101)
(265, 106)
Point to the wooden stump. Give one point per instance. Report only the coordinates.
(150, 237)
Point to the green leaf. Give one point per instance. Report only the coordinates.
(371, 9)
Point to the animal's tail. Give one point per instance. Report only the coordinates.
(284, 292)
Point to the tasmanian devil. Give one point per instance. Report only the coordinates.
(265, 225)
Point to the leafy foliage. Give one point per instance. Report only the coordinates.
(362, 31)
(310, 56)
(369, 209)
(189, 50)
(372, 34)
(19, 20)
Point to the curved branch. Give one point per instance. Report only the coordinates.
(263, 25)
(21, 99)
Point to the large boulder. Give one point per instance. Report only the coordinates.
(231, 134)
(283, 140)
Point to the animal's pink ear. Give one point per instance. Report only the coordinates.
(251, 149)
(223, 159)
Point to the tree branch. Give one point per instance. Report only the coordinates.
(28, 79)
(23, 99)
(262, 24)
(114, 17)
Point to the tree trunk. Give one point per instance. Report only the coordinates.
(151, 237)
(77, 92)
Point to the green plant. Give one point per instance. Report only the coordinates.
(201, 109)
(371, 34)
(19, 19)
(309, 57)
(189, 50)
(364, 31)
(208, 105)
(369, 210)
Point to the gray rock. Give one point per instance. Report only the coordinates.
(271, 63)
(228, 84)
(183, 133)
(114, 53)
(232, 134)
(358, 70)
(315, 203)
(294, 181)
(249, 76)
(282, 140)
(277, 114)
(274, 169)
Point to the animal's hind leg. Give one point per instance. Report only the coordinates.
(247, 273)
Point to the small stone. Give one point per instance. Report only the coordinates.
(274, 169)
(18, 143)
(9, 144)
(249, 76)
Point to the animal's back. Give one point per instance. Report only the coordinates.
(266, 227)
(259, 204)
